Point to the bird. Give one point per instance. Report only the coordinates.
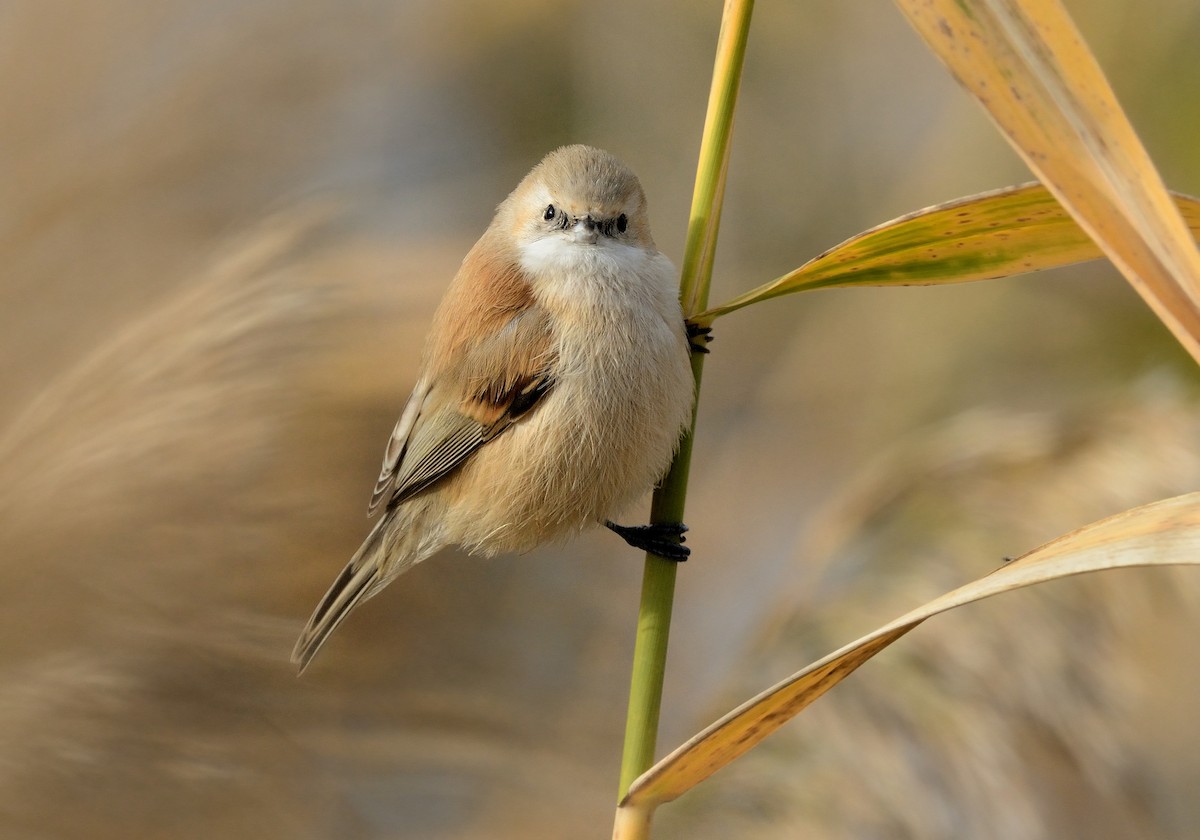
(554, 387)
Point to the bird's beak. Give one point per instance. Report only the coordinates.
(585, 231)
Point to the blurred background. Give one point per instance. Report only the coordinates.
(223, 230)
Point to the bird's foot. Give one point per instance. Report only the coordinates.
(662, 539)
(698, 336)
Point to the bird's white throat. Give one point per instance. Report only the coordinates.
(560, 254)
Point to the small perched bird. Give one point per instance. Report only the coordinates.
(554, 387)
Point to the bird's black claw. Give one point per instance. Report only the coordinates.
(698, 336)
(663, 539)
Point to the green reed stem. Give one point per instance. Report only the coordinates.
(658, 579)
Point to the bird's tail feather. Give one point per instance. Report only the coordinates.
(362, 578)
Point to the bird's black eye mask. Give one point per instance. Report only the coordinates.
(562, 221)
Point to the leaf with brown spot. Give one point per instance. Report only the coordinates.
(1027, 64)
(1014, 230)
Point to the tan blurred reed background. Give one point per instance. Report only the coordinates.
(223, 228)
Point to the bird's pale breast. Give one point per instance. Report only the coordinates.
(606, 432)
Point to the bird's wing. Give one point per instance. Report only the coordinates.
(492, 383)
(397, 442)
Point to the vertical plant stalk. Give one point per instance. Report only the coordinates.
(658, 579)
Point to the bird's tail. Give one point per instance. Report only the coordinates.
(364, 575)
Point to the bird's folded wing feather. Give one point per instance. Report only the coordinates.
(494, 381)
(396, 443)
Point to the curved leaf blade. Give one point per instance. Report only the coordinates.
(1009, 231)
(1027, 64)
(1159, 534)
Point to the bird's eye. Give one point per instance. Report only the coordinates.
(622, 222)
(549, 214)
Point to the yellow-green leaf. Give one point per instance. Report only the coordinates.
(1027, 64)
(981, 237)
(1158, 534)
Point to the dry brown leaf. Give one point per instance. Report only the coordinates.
(1162, 533)
(1027, 64)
